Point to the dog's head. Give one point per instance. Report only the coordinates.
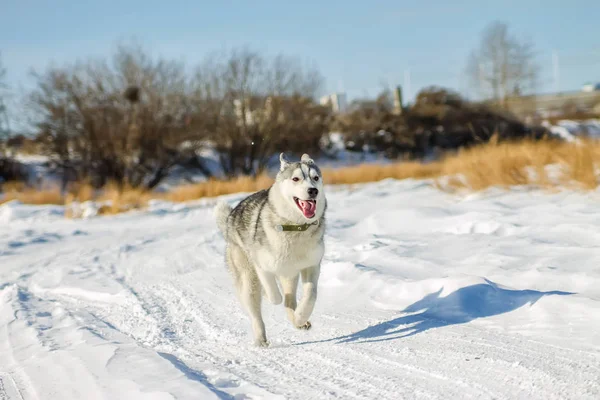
(301, 185)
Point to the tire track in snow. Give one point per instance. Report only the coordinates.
(163, 304)
(169, 298)
(8, 388)
(275, 366)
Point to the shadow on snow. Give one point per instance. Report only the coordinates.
(459, 307)
(195, 375)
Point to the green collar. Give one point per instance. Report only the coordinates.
(295, 228)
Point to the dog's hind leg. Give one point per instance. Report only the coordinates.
(290, 286)
(310, 278)
(249, 291)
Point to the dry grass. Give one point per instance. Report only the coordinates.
(213, 188)
(509, 164)
(493, 164)
(112, 198)
(18, 191)
(374, 172)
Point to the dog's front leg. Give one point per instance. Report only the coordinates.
(289, 286)
(269, 284)
(310, 278)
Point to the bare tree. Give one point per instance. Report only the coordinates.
(4, 123)
(502, 66)
(10, 169)
(4, 130)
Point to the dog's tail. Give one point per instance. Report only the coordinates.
(222, 211)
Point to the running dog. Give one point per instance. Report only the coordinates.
(277, 235)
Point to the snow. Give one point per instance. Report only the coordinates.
(563, 133)
(570, 130)
(592, 126)
(423, 294)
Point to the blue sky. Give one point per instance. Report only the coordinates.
(358, 46)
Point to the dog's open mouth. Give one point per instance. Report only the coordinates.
(308, 207)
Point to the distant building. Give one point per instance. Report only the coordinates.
(243, 112)
(337, 102)
(591, 87)
(555, 104)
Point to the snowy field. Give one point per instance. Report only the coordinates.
(422, 295)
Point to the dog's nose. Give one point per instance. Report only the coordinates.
(313, 192)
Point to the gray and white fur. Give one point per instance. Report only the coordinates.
(259, 255)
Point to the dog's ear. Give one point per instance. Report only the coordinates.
(306, 159)
(283, 162)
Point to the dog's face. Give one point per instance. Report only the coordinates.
(301, 185)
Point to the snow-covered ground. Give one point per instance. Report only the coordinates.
(571, 130)
(422, 295)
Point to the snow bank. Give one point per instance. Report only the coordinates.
(422, 295)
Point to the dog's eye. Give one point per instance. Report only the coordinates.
(295, 179)
(316, 178)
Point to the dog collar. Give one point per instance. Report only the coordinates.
(296, 228)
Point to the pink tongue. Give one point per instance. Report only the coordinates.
(308, 208)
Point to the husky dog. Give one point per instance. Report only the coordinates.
(277, 235)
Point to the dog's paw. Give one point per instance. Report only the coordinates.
(300, 318)
(305, 326)
(261, 343)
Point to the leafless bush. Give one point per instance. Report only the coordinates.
(439, 119)
(133, 120)
(252, 107)
(123, 121)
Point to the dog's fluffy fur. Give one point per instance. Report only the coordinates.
(259, 255)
